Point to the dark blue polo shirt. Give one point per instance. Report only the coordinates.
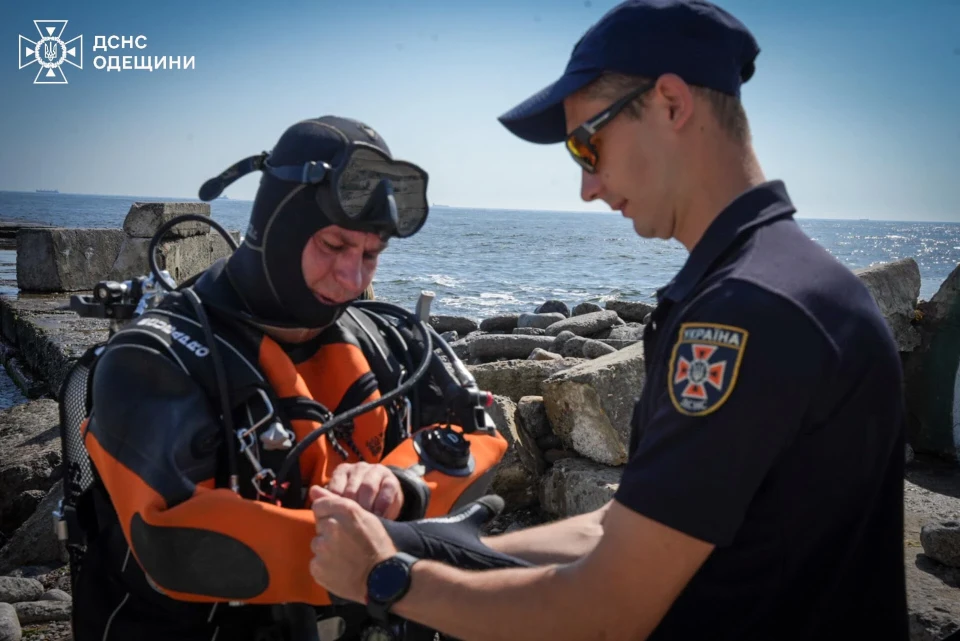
(771, 425)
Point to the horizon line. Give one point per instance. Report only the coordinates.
(443, 206)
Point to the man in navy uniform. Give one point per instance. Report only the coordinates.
(763, 494)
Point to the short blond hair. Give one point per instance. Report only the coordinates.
(727, 109)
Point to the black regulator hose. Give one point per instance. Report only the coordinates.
(222, 387)
(466, 378)
(164, 228)
(197, 304)
(294, 454)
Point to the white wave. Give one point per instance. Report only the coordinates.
(439, 279)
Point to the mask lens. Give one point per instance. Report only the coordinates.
(365, 170)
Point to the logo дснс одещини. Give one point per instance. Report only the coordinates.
(51, 52)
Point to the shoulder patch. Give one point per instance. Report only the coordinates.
(704, 365)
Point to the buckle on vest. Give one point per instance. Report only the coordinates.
(276, 437)
(66, 524)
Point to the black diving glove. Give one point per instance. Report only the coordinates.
(454, 539)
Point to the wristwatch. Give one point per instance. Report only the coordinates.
(387, 583)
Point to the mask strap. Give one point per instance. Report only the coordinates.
(211, 189)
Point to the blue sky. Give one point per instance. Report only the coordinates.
(855, 104)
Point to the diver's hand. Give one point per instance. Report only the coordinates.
(373, 486)
(349, 542)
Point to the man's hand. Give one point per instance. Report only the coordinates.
(349, 542)
(373, 486)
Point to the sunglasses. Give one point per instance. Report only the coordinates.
(579, 142)
(360, 187)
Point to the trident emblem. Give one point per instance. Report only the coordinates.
(50, 52)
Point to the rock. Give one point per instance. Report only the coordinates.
(573, 347)
(604, 334)
(932, 375)
(38, 572)
(560, 341)
(503, 412)
(943, 306)
(532, 415)
(501, 323)
(56, 595)
(931, 494)
(631, 311)
(509, 346)
(514, 483)
(35, 542)
(9, 623)
(895, 286)
(590, 405)
(941, 542)
(596, 349)
(585, 325)
(30, 461)
(461, 347)
(549, 442)
(42, 611)
(182, 257)
(909, 454)
(540, 354)
(540, 321)
(63, 582)
(9, 229)
(459, 324)
(65, 260)
(527, 421)
(618, 344)
(627, 332)
(516, 379)
(586, 308)
(144, 219)
(929, 622)
(530, 331)
(553, 306)
(22, 376)
(512, 480)
(577, 486)
(15, 589)
(553, 455)
(23, 506)
(48, 338)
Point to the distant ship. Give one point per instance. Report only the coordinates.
(48, 191)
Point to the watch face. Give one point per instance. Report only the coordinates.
(387, 580)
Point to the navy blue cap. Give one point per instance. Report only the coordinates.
(695, 39)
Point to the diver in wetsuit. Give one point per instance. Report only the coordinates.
(190, 534)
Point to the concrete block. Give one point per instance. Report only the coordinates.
(144, 219)
(65, 260)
